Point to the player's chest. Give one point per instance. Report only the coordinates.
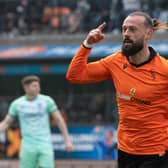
(32, 107)
(146, 84)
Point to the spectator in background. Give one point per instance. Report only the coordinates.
(72, 16)
(9, 17)
(22, 13)
(34, 14)
(105, 142)
(150, 7)
(29, 16)
(33, 111)
(109, 146)
(125, 7)
(56, 15)
(77, 19)
(98, 12)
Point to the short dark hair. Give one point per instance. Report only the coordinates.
(29, 79)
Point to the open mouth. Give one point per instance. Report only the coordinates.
(127, 42)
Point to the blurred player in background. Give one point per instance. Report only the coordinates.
(140, 77)
(33, 110)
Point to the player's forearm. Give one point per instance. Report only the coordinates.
(3, 126)
(63, 128)
(80, 71)
(77, 69)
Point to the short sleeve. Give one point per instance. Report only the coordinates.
(51, 105)
(12, 109)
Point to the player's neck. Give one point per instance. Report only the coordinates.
(30, 97)
(140, 57)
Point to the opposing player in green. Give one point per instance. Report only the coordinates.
(33, 110)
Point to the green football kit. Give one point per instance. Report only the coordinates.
(36, 147)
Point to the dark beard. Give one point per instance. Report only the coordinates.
(133, 49)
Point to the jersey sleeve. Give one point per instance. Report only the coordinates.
(51, 105)
(12, 109)
(80, 71)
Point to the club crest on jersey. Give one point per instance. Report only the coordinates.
(125, 66)
(152, 74)
(132, 91)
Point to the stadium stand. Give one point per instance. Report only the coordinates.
(22, 17)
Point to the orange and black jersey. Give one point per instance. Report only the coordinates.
(142, 96)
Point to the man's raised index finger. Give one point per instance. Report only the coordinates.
(102, 26)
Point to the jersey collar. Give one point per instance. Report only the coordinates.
(152, 55)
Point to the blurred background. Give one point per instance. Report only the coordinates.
(40, 37)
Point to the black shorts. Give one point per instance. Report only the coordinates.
(126, 160)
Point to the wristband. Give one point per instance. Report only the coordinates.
(85, 43)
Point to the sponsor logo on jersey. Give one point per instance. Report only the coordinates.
(132, 98)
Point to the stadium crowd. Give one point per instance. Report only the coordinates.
(22, 17)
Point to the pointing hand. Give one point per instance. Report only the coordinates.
(96, 35)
